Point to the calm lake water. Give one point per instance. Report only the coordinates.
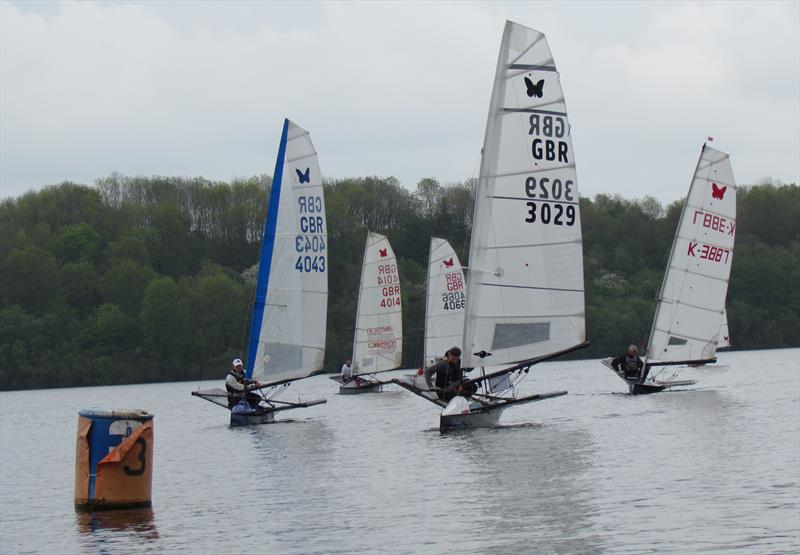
(714, 468)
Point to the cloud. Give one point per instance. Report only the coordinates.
(388, 88)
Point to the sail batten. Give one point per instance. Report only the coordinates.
(287, 337)
(526, 226)
(688, 320)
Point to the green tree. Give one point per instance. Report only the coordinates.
(29, 279)
(77, 242)
(125, 283)
(78, 285)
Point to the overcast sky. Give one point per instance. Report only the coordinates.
(400, 88)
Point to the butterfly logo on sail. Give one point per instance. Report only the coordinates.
(304, 177)
(536, 90)
(717, 191)
(383, 252)
(448, 263)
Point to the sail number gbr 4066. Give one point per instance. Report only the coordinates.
(310, 243)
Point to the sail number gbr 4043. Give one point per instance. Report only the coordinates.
(556, 201)
(310, 241)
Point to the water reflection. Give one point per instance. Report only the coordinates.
(106, 531)
(532, 488)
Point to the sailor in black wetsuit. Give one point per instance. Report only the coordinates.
(629, 365)
(448, 375)
(236, 385)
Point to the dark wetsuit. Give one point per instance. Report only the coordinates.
(236, 388)
(631, 366)
(447, 375)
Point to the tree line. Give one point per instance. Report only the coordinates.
(140, 279)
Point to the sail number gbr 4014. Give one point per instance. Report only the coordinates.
(554, 201)
(309, 245)
(389, 285)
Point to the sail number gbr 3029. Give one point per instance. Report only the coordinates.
(310, 243)
(553, 201)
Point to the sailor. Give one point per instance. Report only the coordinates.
(347, 370)
(236, 385)
(447, 373)
(629, 365)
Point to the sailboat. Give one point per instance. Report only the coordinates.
(287, 328)
(378, 340)
(691, 305)
(525, 298)
(444, 309)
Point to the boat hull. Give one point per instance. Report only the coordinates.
(644, 389)
(461, 413)
(474, 419)
(638, 387)
(358, 385)
(251, 418)
(244, 415)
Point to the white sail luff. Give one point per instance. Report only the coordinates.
(525, 284)
(444, 312)
(378, 337)
(291, 342)
(691, 303)
(724, 341)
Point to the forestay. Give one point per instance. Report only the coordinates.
(444, 313)
(287, 331)
(525, 286)
(692, 301)
(378, 343)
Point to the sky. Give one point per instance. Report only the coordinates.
(390, 88)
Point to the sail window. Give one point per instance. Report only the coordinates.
(507, 336)
(676, 341)
(285, 356)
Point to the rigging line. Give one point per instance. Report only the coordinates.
(698, 274)
(682, 336)
(718, 181)
(711, 163)
(536, 41)
(529, 199)
(554, 244)
(532, 287)
(304, 157)
(538, 317)
(531, 170)
(522, 68)
(529, 110)
(705, 210)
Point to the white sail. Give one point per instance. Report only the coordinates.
(692, 301)
(444, 313)
(287, 336)
(525, 285)
(378, 343)
(724, 341)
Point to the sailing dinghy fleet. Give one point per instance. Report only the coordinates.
(521, 300)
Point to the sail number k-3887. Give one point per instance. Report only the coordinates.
(708, 252)
(549, 192)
